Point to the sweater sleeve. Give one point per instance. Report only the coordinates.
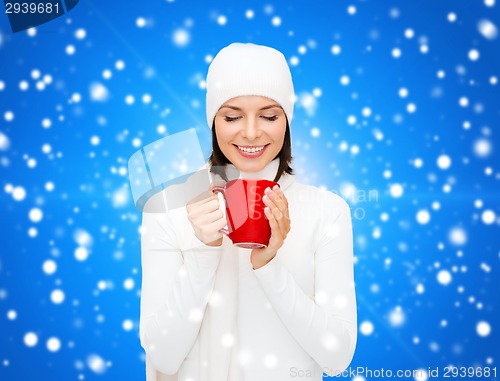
(176, 287)
(325, 327)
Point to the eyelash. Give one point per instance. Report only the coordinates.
(270, 118)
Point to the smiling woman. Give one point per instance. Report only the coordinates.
(213, 311)
(248, 128)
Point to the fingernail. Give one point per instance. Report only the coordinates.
(276, 187)
(267, 190)
(267, 209)
(266, 198)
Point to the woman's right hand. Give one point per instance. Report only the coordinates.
(207, 220)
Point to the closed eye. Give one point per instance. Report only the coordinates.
(271, 118)
(229, 119)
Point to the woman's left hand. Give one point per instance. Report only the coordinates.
(276, 211)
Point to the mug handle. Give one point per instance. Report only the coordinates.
(221, 190)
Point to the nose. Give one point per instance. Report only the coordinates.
(251, 129)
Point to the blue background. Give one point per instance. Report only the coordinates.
(427, 260)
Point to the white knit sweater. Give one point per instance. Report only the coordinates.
(206, 315)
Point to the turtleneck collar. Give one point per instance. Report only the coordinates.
(267, 173)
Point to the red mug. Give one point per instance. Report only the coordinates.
(248, 226)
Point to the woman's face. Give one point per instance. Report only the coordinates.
(250, 131)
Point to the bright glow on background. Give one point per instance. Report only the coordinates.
(397, 111)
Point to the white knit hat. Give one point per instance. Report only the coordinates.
(249, 69)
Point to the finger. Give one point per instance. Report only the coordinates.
(202, 196)
(214, 236)
(279, 216)
(217, 225)
(268, 202)
(276, 237)
(281, 220)
(208, 207)
(208, 218)
(278, 197)
(270, 217)
(202, 201)
(273, 223)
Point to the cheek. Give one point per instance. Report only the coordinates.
(278, 134)
(223, 137)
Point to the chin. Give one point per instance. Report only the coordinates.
(251, 166)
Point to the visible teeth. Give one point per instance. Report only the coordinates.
(251, 150)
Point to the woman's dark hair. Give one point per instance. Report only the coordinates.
(218, 160)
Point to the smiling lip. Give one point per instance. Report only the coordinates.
(245, 151)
